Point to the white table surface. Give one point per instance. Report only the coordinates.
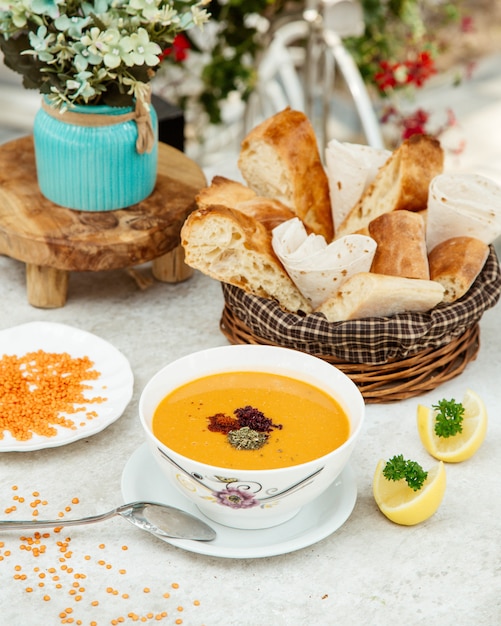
(444, 571)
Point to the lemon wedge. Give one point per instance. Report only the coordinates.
(461, 446)
(400, 504)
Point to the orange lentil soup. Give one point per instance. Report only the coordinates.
(308, 423)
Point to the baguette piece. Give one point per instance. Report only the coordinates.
(235, 195)
(280, 159)
(236, 248)
(401, 245)
(377, 295)
(401, 183)
(455, 264)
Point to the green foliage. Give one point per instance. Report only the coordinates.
(394, 30)
(232, 65)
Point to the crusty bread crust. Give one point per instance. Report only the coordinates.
(279, 159)
(377, 295)
(236, 248)
(235, 195)
(225, 192)
(401, 245)
(401, 183)
(456, 263)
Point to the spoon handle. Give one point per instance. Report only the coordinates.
(27, 524)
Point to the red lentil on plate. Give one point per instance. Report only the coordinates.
(38, 390)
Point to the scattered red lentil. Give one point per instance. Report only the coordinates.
(38, 387)
(47, 576)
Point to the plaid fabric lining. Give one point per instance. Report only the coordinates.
(374, 340)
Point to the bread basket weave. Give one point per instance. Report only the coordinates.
(388, 358)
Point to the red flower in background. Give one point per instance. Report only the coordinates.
(415, 71)
(415, 124)
(385, 78)
(178, 50)
(467, 24)
(420, 69)
(418, 123)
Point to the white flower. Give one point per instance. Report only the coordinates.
(141, 50)
(88, 50)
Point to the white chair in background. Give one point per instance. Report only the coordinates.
(298, 69)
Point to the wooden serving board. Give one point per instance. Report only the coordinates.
(53, 240)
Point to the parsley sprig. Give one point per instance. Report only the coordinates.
(449, 418)
(397, 468)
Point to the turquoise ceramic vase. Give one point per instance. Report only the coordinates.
(91, 167)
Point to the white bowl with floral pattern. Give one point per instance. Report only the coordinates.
(252, 499)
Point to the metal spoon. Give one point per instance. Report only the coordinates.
(158, 519)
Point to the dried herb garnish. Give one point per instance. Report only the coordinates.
(246, 438)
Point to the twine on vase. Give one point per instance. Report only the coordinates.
(141, 115)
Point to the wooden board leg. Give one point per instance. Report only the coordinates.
(47, 287)
(171, 268)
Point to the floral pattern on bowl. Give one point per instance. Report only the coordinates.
(237, 493)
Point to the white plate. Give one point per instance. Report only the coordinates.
(142, 479)
(116, 378)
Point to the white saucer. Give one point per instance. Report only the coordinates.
(143, 480)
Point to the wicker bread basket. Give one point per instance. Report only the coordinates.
(388, 358)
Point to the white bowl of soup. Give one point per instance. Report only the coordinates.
(251, 433)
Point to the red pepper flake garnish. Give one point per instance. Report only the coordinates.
(221, 423)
